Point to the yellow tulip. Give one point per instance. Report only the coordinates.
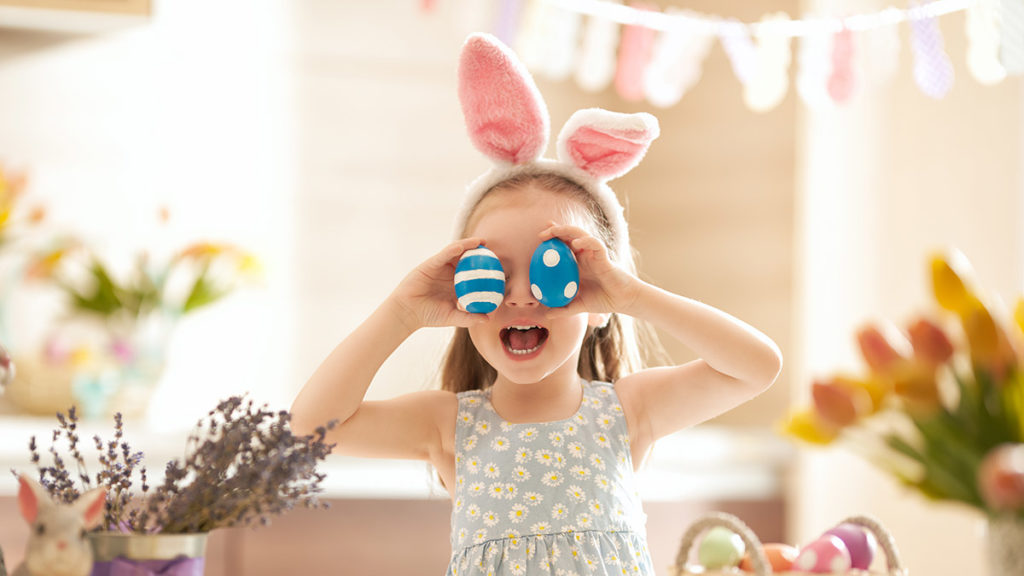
(951, 275)
(991, 349)
(1018, 313)
(806, 425)
(916, 384)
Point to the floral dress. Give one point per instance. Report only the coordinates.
(554, 498)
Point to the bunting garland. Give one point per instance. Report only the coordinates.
(658, 55)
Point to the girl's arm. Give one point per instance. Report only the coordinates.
(737, 362)
(404, 427)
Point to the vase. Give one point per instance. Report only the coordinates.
(1005, 545)
(116, 554)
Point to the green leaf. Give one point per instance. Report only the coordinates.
(203, 292)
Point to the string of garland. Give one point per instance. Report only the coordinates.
(657, 54)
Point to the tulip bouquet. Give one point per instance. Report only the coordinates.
(940, 404)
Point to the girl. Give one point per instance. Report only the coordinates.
(544, 413)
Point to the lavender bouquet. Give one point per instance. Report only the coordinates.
(242, 466)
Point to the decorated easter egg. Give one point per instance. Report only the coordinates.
(554, 274)
(860, 542)
(479, 281)
(720, 548)
(780, 557)
(826, 555)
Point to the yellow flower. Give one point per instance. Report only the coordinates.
(806, 425)
(950, 277)
(990, 346)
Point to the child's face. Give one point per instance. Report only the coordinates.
(510, 222)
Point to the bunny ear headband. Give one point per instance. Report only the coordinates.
(508, 121)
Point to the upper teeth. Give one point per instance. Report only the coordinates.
(523, 327)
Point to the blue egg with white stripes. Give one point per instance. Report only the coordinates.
(554, 274)
(479, 281)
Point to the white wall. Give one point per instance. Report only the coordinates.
(188, 111)
(884, 182)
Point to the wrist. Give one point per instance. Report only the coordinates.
(400, 314)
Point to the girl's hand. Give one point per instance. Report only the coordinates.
(604, 286)
(426, 297)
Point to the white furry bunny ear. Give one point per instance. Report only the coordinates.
(505, 113)
(606, 144)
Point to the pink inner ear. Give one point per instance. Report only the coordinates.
(504, 112)
(27, 501)
(607, 153)
(94, 513)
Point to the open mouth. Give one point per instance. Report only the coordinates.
(523, 340)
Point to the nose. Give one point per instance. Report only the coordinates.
(62, 544)
(518, 293)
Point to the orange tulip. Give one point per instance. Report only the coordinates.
(930, 343)
(840, 403)
(882, 352)
(951, 277)
(916, 384)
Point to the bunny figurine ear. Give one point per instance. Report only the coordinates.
(90, 505)
(606, 144)
(505, 113)
(30, 496)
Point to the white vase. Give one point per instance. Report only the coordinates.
(1004, 541)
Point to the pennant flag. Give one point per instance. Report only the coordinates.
(508, 21)
(770, 81)
(880, 47)
(634, 54)
(1011, 34)
(841, 81)
(982, 30)
(933, 71)
(563, 32)
(597, 55)
(677, 62)
(815, 66)
(739, 48)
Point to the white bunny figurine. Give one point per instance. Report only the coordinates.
(57, 544)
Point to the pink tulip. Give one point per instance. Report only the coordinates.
(883, 353)
(1001, 477)
(930, 343)
(840, 405)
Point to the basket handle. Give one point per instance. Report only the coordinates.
(885, 540)
(712, 519)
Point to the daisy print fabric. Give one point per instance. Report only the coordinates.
(551, 498)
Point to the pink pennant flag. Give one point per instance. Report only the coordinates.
(933, 71)
(841, 81)
(634, 54)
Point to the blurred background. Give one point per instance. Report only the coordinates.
(324, 141)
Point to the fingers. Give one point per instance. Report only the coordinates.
(579, 239)
(453, 251)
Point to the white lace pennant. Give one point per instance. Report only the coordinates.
(814, 66)
(879, 55)
(933, 71)
(982, 29)
(677, 62)
(1011, 53)
(739, 47)
(596, 67)
(770, 81)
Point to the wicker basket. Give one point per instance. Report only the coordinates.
(894, 564)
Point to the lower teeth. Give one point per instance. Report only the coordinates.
(524, 352)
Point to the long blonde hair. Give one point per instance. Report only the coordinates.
(609, 352)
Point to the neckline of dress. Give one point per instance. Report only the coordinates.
(575, 415)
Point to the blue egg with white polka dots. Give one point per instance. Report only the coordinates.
(554, 274)
(479, 281)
